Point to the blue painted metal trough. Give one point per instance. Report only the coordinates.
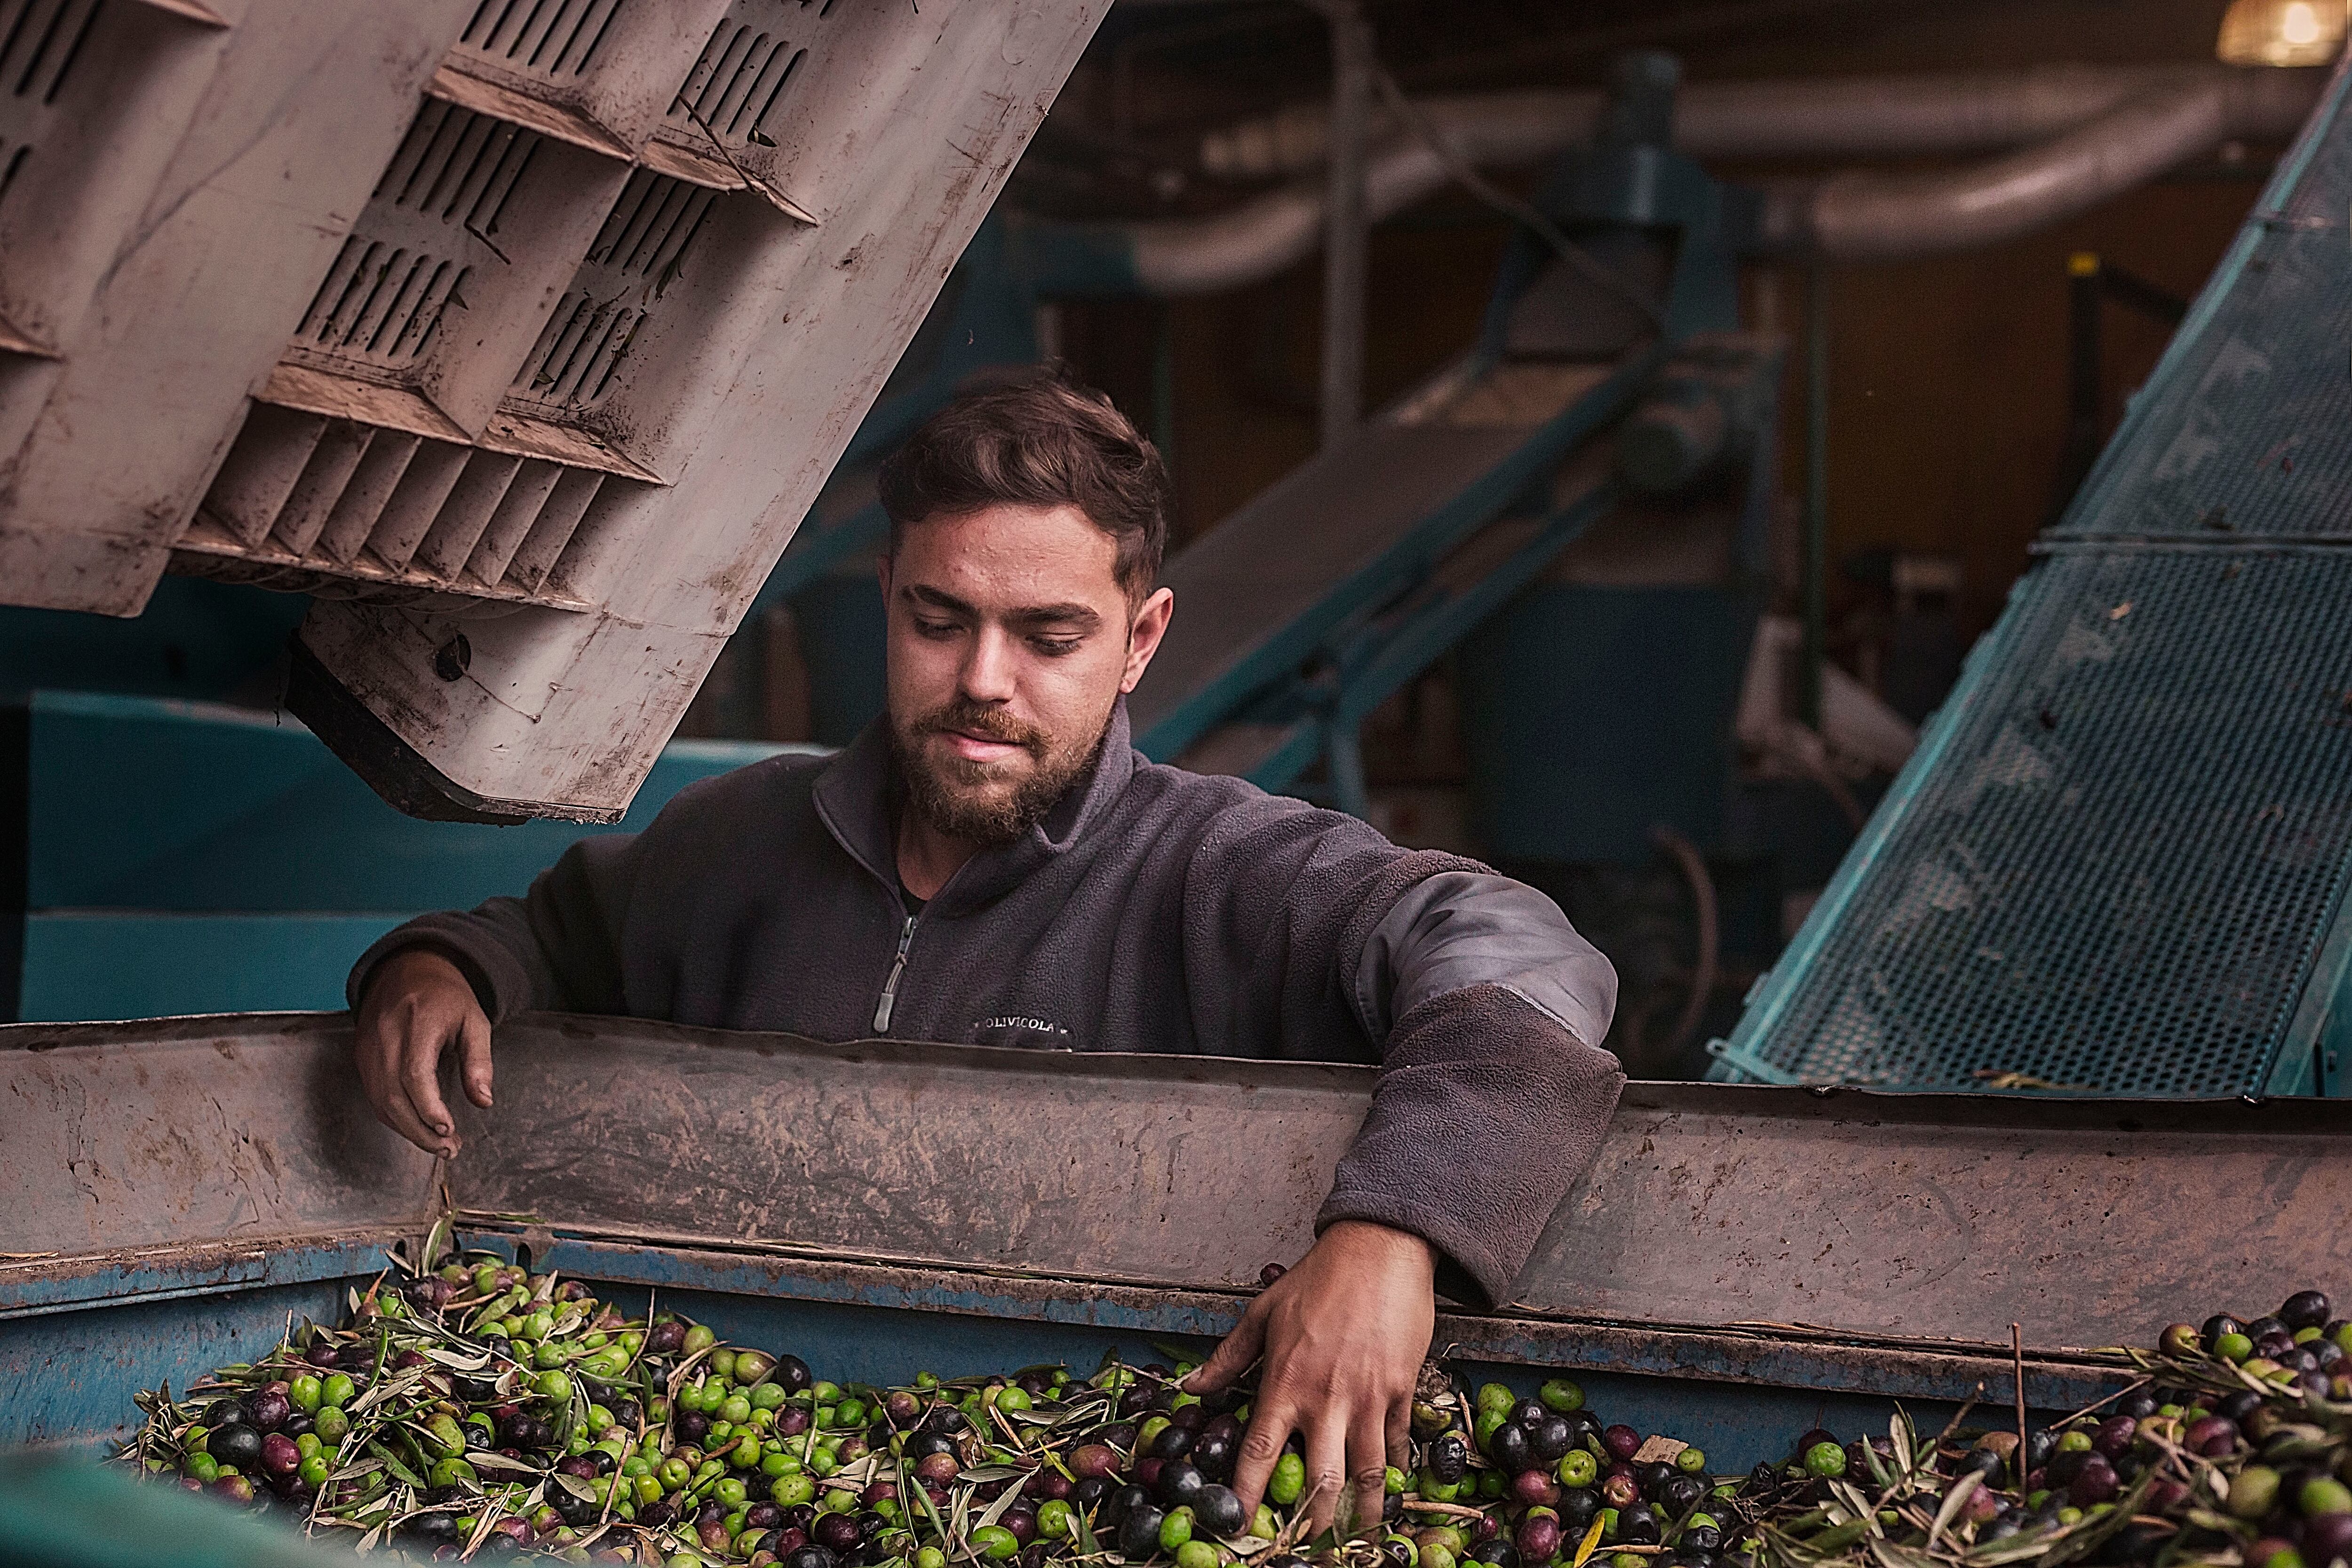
(1743, 1261)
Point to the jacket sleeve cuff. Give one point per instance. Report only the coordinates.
(1487, 1112)
(502, 983)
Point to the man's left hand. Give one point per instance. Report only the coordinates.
(1343, 1335)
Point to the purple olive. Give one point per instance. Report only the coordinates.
(1094, 1460)
(2114, 1438)
(235, 1489)
(2212, 1437)
(266, 1409)
(902, 1407)
(280, 1455)
(2094, 1483)
(838, 1532)
(665, 1337)
(1539, 1536)
(1622, 1442)
(320, 1353)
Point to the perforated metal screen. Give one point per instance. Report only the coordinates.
(2118, 857)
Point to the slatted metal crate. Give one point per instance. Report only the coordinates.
(519, 335)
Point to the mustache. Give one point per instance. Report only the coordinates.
(980, 718)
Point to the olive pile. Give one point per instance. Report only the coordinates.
(481, 1409)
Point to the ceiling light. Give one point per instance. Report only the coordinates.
(2282, 32)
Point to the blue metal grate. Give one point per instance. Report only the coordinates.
(2120, 873)
(2117, 859)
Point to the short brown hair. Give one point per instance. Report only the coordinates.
(1042, 440)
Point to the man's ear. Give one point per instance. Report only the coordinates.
(1143, 634)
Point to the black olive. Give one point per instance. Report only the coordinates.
(1986, 1463)
(1637, 1526)
(434, 1529)
(1180, 1483)
(1549, 1438)
(2305, 1310)
(1138, 1534)
(236, 1444)
(1122, 1502)
(224, 1413)
(1397, 1553)
(2039, 1446)
(1088, 1491)
(2140, 1406)
(810, 1556)
(920, 1446)
(948, 1419)
(792, 1374)
(1172, 1443)
(1680, 1494)
(1215, 1452)
(1449, 1459)
(1507, 1447)
(1702, 1538)
(1527, 1412)
(574, 1509)
(1497, 1553)
(1577, 1507)
(1216, 1509)
(1653, 1475)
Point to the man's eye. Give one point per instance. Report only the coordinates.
(934, 628)
(1055, 647)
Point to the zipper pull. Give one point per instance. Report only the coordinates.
(890, 987)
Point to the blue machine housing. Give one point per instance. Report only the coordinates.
(197, 858)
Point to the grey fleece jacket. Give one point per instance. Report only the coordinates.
(1153, 909)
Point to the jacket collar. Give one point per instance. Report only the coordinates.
(857, 800)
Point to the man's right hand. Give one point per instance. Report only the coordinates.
(418, 1004)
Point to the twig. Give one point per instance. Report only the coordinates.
(2016, 1359)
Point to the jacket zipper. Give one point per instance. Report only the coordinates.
(890, 987)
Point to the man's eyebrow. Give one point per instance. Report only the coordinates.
(1082, 616)
(1072, 614)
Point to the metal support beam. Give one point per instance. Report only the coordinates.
(1817, 493)
(1344, 225)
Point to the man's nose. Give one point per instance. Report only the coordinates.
(988, 671)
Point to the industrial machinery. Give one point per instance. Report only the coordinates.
(2118, 861)
(519, 336)
(1742, 1262)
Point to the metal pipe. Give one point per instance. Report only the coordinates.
(1853, 217)
(1863, 216)
(1347, 226)
(1869, 116)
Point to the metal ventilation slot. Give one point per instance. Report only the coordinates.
(550, 533)
(731, 111)
(353, 519)
(466, 513)
(535, 480)
(416, 501)
(640, 251)
(545, 39)
(336, 457)
(736, 84)
(40, 40)
(261, 471)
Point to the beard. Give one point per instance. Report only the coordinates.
(969, 801)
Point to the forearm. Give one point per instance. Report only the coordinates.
(555, 949)
(1487, 1112)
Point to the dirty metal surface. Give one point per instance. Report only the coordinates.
(233, 1133)
(1909, 1224)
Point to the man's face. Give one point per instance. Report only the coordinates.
(1010, 638)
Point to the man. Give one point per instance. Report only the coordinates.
(992, 862)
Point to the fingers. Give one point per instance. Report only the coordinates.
(1270, 1426)
(1400, 1433)
(474, 1048)
(1235, 1355)
(379, 1064)
(1368, 1463)
(1327, 1469)
(420, 1080)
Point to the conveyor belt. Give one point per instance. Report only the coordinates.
(1258, 594)
(2118, 860)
